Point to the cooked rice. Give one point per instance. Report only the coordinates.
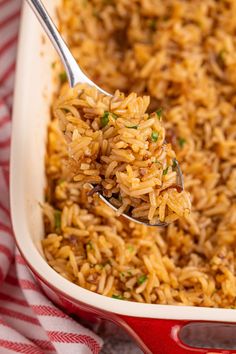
(182, 54)
(116, 145)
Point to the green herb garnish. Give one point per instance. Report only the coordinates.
(159, 112)
(221, 56)
(53, 65)
(153, 24)
(63, 77)
(89, 246)
(105, 119)
(130, 248)
(62, 180)
(132, 127)
(57, 219)
(155, 136)
(119, 297)
(181, 142)
(142, 279)
(114, 116)
(165, 171)
(174, 164)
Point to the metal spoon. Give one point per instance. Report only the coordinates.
(75, 75)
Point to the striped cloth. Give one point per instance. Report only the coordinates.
(29, 322)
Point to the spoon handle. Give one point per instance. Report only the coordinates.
(73, 71)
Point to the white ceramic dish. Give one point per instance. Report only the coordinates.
(33, 92)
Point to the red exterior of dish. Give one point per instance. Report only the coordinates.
(154, 336)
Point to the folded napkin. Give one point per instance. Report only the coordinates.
(29, 322)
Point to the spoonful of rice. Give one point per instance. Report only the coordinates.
(115, 147)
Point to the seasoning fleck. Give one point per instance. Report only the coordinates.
(89, 246)
(114, 116)
(119, 297)
(174, 164)
(105, 119)
(159, 112)
(181, 142)
(154, 136)
(131, 248)
(221, 56)
(165, 171)
(142, 279)
(153, 24)
(57, 218)
(132, 127)
(63, 77)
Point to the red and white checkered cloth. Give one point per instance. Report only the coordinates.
(29, 322)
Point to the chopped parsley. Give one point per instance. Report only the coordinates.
(53, 65)
(132, 127)
(119, 297)
(105, 119)
(114, 116)
(181, 142)
(142, 279)
(89, 246)
(130, 248)
(153, 24)
(57, 219)
(63, 77)
(165, 171)
(62, 180)
(174, 164)
(154, 136)
(221, 56)
(159, 112)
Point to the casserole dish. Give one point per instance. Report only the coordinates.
(160, 329)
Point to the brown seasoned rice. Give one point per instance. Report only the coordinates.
(182, 54)
(114, 144)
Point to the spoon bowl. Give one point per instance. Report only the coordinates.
(179, 186)
(75, 75)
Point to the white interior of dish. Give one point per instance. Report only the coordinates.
(33, 92)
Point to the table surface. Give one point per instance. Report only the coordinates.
(116, 341)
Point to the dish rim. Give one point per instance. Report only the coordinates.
(22, 233)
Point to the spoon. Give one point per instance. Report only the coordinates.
(75, 75)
